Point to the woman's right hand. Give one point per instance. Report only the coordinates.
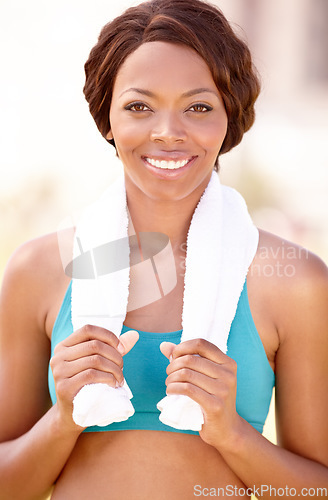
(89, 355)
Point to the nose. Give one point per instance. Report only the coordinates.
(168, 128)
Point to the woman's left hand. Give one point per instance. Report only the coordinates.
(200, 370)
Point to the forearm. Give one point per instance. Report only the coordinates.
(30, 464)
(262, 465)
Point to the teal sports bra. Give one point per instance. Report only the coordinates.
(145, 370)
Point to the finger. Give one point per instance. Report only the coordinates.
(126, 341)
(90, 348)
(187, 376)
(90, 332)
(203, 348)
(167, 349)
(195, 363)
(94, 362)
(69, 387)
(201, 396)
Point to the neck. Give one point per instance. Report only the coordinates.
(167, 216)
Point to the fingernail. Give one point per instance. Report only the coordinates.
(170, 358)
(120, 348)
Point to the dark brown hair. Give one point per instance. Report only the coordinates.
(195, 23)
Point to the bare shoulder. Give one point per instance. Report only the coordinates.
(32, 255)
(37, 261)
(282, 281)
(33, 274)
(287, 288)
(292, 278)
(290, 260)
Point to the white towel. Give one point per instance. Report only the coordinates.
(221, 244)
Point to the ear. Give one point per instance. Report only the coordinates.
(109, 135)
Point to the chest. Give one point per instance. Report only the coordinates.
(156, 291)
(162, 314)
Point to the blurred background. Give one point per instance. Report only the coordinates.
(53, 160)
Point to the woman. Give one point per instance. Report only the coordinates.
(171, 87)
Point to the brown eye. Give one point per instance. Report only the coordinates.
(200, 108)
(137, 107)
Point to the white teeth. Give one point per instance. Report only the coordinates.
(170, 165)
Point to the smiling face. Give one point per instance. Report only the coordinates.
(168, 121)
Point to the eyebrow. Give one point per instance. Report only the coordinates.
(189, 93)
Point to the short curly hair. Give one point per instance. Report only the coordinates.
(194, 23)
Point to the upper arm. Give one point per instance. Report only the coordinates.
(24, 346)
(301, 361)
